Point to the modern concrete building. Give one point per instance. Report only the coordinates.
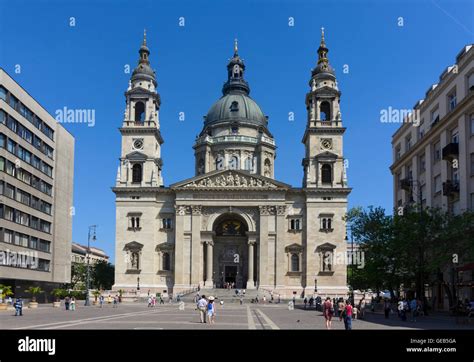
(433, 152)
(79, 254)
(233, 222)
(36, 192)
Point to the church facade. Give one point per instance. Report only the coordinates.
(233, 222)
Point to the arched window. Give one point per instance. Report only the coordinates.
(295, 263)
(248, 163)
(234, 163)
(166, 261)
(234, 107)
(137, 173)
(326, 174)
(139, 112)
(267, 169)
(325, 111)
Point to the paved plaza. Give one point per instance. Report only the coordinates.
(229, 316)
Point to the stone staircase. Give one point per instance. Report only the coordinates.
(227, 295)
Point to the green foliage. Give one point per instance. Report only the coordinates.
(6, 290)
(103, 275)
(34, 291)
(409, 249)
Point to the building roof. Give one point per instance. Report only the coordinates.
(82, 249)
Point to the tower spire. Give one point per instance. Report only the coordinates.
(144, 37)
(236, 47)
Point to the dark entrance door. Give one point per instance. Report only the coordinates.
(230, 273)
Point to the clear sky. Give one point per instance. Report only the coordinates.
(82, 67)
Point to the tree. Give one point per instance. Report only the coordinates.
(6, 291)
(103, 275)
(34, 291)
(78, 276)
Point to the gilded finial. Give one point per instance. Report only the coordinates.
(236, 46)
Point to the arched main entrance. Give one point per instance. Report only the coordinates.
(230, 256)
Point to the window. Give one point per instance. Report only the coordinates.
(9, 191)
(135, 222)
(234, 130)
(325, 111)
(455, 136)
(434, 116)
(295, 263)
(421, 131)
(137, 173)
(398, 152)
(234, 107)
(3, 93)
(11, 146)
(326, 223)
(3, 117)
(233, 163)
(48, 131)
(23, 197)
(166, 261)
(452, 101)
(139, 112)
(167, 223)
(326, 174)
(437, 184)
(248, 164)
(409, 173)
(45, 226)
(472, 124)
(472, 164)
(13, 102)
(408, 143)
(295, 224)
(44, 245)
(436, 152)
(422, 164)
(33, 243)
(470, 83)
(8, 236)
(43, 265)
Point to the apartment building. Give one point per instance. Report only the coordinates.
(36, 193)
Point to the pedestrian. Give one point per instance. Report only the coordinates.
(355, 312)
(340, 306)
(73, 303)
(149, 301)
(264, 299)
(347, 315)
(202, 307)
(161, 300)
(279, 298)
(18, 307)
(211, 310)
(294, 300)
(387, 307)
(101, 301)
(116, 301)
(67, 300)
(362, 308)
(241, 300)
(305, 301)
(328, 312)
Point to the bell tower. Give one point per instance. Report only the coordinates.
(323, 138)
(140, 161)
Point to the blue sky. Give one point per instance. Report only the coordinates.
(83, 67)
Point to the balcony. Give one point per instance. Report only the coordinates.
(232, 138)
(450, 188)
(451, 151)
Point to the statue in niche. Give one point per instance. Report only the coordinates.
(134, 260)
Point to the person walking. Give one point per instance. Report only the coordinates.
(328, 312)
(101, 301)
(241, 300)
(413, 306)
(161, 300)
(67, 300)
(73, 303)
(149, 301)
(202, 307)
(347, 315)
(116, 301)
(305, 301)
(211, 310)
(362, 308)
(18, 307)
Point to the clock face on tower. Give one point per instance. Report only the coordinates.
(138, 144)
(326, 144)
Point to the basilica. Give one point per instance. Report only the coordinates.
(232, 222)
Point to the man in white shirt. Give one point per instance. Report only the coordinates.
(202, 306)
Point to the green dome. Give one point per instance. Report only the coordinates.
(238, 107)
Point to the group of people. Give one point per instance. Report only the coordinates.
(152, 301)
(229, 285)
(405, 306)
(207, 309)
(115, 300)
(312, 301)
(341, 309)
(70, 303)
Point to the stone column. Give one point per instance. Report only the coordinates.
(196, 257)
(250, 282)
(281, 227)
(263, 244)
(179, 246)
(210, 256)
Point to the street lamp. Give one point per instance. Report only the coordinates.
(138, 285)
(90, 235)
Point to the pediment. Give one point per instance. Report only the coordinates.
(295, 248)
(325, 247)
(230, 179)
(136, 156)
(133, 245)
